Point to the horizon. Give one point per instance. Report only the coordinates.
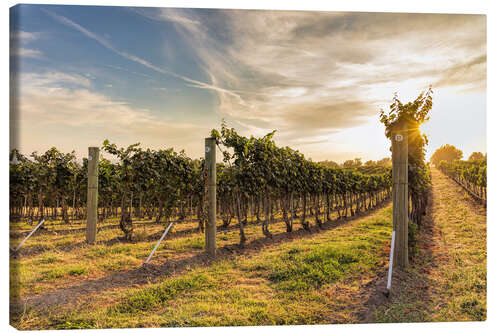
(165, 76)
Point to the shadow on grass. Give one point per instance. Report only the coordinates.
(148, 273)
(410, 292)
(26, 252)
(104, 226)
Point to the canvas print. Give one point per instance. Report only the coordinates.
(175, 167)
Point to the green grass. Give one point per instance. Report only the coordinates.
(149, 298)
(47, 250)
(456, 285)
(289, 283)
(59, 272)
(319, 279)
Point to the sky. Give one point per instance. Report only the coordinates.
(165, 77)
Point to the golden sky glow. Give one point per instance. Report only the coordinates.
(168, 76)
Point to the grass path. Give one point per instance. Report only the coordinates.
(447, 280)
(60, 268)
(304, 278)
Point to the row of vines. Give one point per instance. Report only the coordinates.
(257, 180)
(471, 175)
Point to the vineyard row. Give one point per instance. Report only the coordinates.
(161, 185)
(471, 175)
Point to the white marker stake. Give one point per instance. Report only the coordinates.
(390, 261)
(157, 244)
(29, 235)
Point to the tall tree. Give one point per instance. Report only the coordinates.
(447, 153)
(386, 162)
(355, 163)
(476, 156)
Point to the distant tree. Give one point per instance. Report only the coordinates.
(386, 161)
(447, 153)
(353, 163)
(476, 156)
(370, 163)
(331, 164)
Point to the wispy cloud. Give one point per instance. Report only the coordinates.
(52, 79)
(46, 101)
(118, 68)
(312, 73)
(166, 89)
(19, 41)
(24, 36)
(26, 53)
(181, 19)
(129, 56)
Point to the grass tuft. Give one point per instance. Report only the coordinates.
(149, 298)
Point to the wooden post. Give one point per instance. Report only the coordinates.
(92, 192)
(211, 171)
(399, 139)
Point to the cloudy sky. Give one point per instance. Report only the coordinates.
(166, 77)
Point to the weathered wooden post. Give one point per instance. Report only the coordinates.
(399, 139)
(92, 192)
(211, 171)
